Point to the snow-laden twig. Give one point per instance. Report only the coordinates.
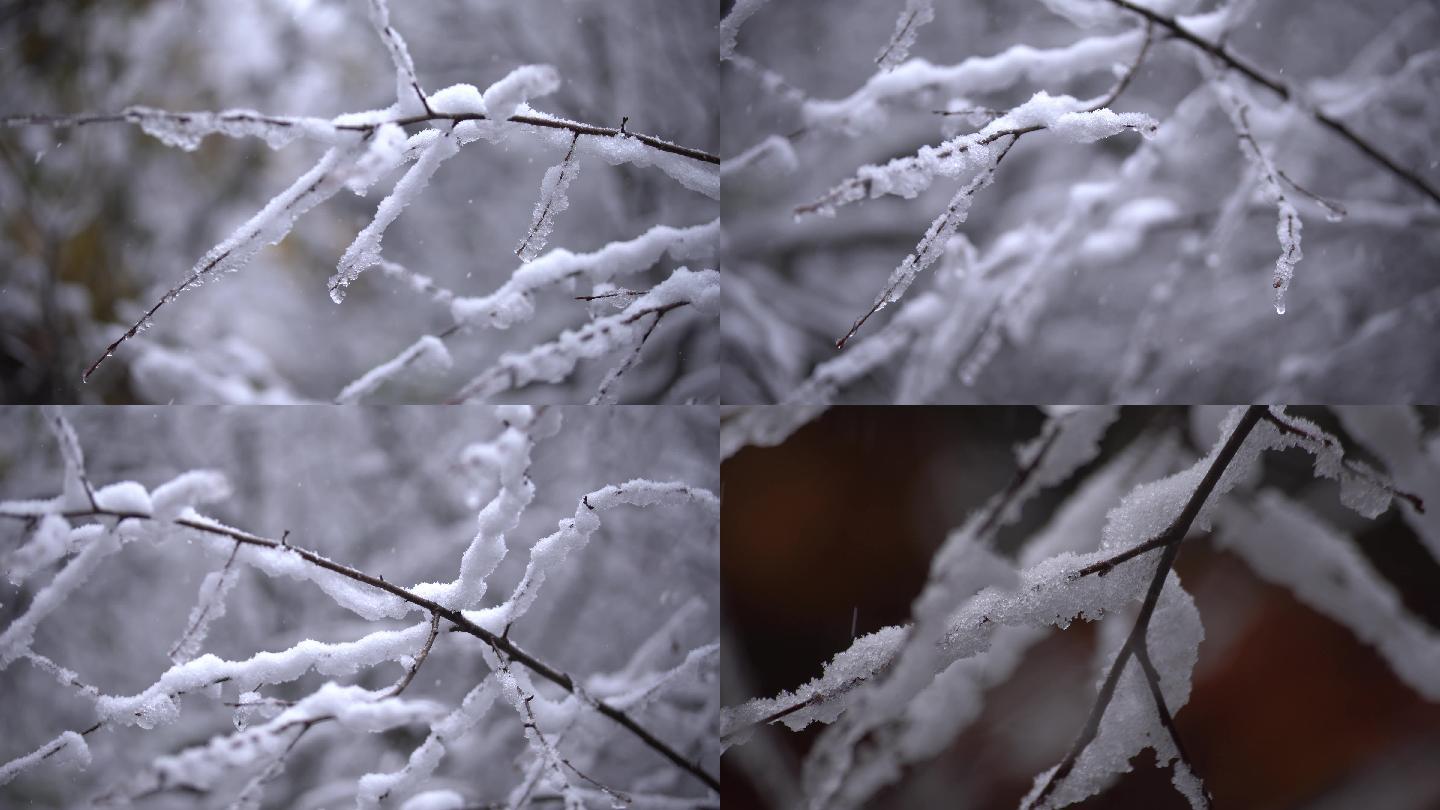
(730, 26)
(553, 201)
(267, 227)
(553, 361)
(1288, 229)
(916, 14)
(1182, 31)
(428, 353)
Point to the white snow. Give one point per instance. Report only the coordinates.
(434, 800)
(187, 490)
(126, 496)
(341, 658)
(508, 96)
(556, 360)
(426, 354)
(741, 11)
(67, 749)
(364, 251)
(1284, 543)
(458, 99)
(512, 302)
(49, 542)
(908, 176)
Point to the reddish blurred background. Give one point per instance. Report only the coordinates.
(838, 524)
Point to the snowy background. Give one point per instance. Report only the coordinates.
(840, 523)
(1154, 289)
(382, 489)
(97, 222)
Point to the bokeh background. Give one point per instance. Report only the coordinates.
(838, 525)
(97, 222)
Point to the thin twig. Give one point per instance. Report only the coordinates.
(577, 127)
(455, 617)
(419, 659)
(1176, 531)
(1277, 87)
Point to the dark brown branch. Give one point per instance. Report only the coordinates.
(419, 659)
(1167, 720)
(1275, 86)
(1136, 640)
(577, 127)
(455, 617)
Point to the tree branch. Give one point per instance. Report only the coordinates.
(1277, 87)
(1135, 643)
(455, 617)
(241, 117)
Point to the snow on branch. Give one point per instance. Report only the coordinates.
(906, 177)
(514, 301)
(270, 727)
(1288, 229)
(556, 360)
(916, 14)
(730, 26)
(365, 146)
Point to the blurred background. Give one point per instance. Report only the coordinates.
(97, 222)
(381, 489)
(836, 528)
(1362, 303)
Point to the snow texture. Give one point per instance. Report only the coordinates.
(513, 301)
(554, 361)
(553, 201)
(364, 252)
(509, 96)
(426, 354)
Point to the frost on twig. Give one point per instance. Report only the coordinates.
(906, 177)
(932, 244)
(553, 201)
(364, 252)
(553, 361)
(897, 50)
(1288, 228)
(267, 227)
